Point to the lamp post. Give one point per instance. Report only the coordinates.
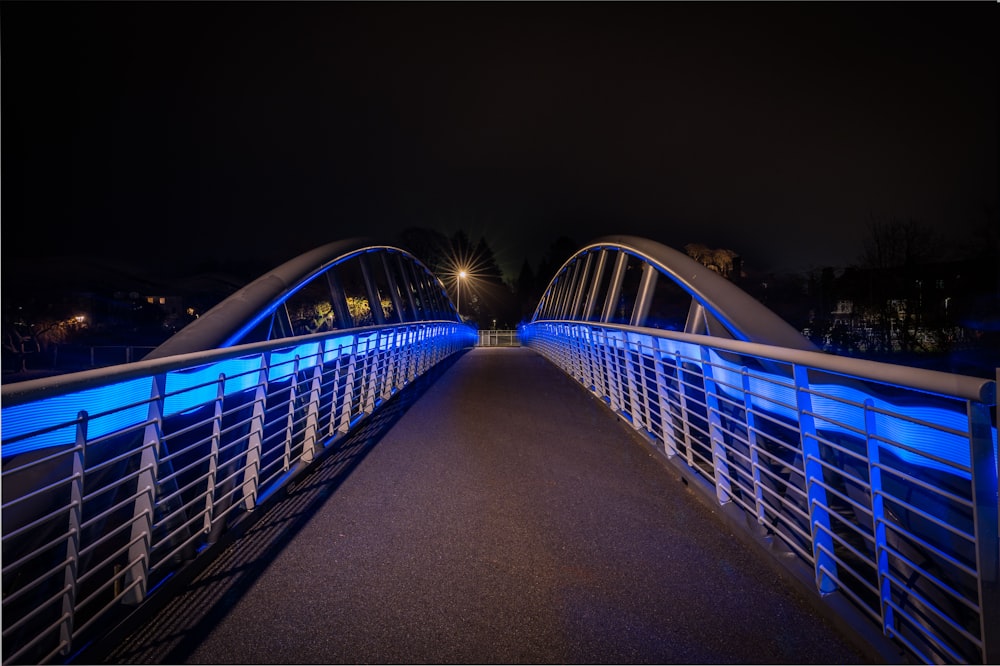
(458, 297)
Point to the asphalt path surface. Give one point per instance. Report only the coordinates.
(498, 514)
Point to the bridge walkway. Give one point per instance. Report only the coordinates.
(496, 514)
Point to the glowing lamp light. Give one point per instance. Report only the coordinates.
(458, 288)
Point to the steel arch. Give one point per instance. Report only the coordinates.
(718, 307)
(229, 322)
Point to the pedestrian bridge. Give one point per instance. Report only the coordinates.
(320, 470)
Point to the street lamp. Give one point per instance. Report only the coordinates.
(458, 297)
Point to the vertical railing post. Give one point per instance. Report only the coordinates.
(345, 414)
(379, 357)
(601, 363)
(416, 347)
(293, 390)
(404, 354)
(144, 508)
(754, 445)
(878, 518)
(213, 455)
(309, 441)
(73, 540)
(720, 459)
(614, 378)
(412, 352)
(255, 438)
(986, 517)
(331, 423)
(399, 359)
(645, 364)
(370, 376)
(590, 351)
(683, 388)
(575, 351)
(389, 381)
(817, 509)
(633, 360)
(663, 395)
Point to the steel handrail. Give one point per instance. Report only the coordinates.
(100, 508)
(880, 479)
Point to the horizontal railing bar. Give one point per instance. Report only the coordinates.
(164, 500)
(16, 657)
(964, 568)
(840, 561)
(39, 521)
(847, 591)
(96, 568)
(930, 635)
(859, 457)
(845, 498)
(79, 631)
(940, 492)
(858, 575)
(177, 473)
(119, 481)
(76, 476)
(37, 389)
(116, 507)
(922, 453)
(167, 557)
(971, 538)
(920, 422)
(95, 594)
(55, 569)
(176, 434)
(104, 538)
(928, 381)
(44, 605)
(69, 450)
(196, 501)
(938, 583)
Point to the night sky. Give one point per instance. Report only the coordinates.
(182, 131)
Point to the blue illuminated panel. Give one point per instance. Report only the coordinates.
(187, 389)
(61, 412)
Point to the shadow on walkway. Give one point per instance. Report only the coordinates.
(170, 632)
(509, 517)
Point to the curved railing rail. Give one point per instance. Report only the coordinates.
(113, 479)
(882, 480)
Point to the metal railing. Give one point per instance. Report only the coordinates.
(498, 338)
(882, 480)
(114, 479)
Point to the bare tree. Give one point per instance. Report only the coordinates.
(723, 261)
(893, 249)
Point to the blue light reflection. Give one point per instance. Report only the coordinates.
(64, 409)
(188, 389)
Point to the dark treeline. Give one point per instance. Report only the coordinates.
(911, 297)
(488, 298)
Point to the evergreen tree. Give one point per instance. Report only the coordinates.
(527, 291)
